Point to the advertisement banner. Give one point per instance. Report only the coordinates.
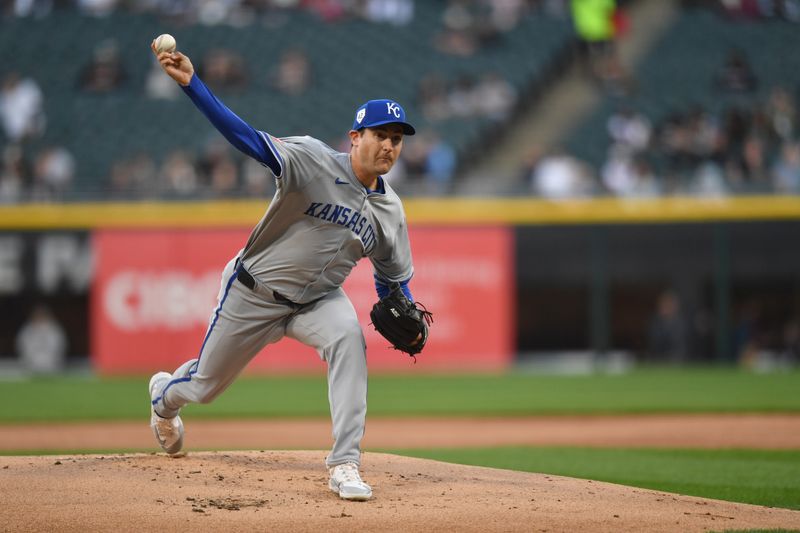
(44, 293)
(154, 292)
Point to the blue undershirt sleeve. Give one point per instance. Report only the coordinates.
(239, 133)
(382, 288)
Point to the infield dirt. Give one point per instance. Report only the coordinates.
(287, 491)
(757, 431)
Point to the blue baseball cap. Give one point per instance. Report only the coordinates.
(379, 112)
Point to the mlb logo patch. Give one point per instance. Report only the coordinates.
(361, 114)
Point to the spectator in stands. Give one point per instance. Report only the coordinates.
(256, 183)
(746, 169)
(27, 8)
(494, 97)
(491, 97)
(526, 167)
(327, 10)
(292, 75)
(285, 4)
(782, 114)
(223, 70)
(398, 177)
(105, 73)
(53, 174)
(753, 9)
(217, 170)
(735, 130)
(628, 175)
(13, 175)
(171, 12)
(395, 12)
(629, 129)
(215, 12)
(178, 176)
(21, 108)
(440, 165)
(41, 343)
(736, 76)
(461, 98)
(668, 332)
(705, 139)
(506, 14)
(432, 97)
(96, 8)
(134, 177)
(760, 124)
(456, 43)
(594, 25)
(690, 139)
(559, 175)
(224, 178)
(143, 173)
(786, 170)
(709, 180)
(755, 164)
(415, 156)
(460, 35)
(119, 180)
(739, 8)
(158, 85)
(674, 140)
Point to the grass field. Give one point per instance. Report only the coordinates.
(751, 476)
(646, 391)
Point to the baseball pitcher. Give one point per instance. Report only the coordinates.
(330, 209)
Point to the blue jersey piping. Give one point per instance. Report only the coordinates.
(205, 340)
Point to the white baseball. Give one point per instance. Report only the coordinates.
(165, 43)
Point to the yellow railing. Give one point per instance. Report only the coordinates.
(449, 211)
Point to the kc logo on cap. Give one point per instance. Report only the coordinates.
(379, 112)
(393, 108)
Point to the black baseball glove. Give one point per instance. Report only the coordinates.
(401, 321)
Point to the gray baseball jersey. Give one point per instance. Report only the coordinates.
(321, 221)
(286, 281)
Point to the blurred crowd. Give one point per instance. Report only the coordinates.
(751, 145)
(762, 337)
(32, 170)
(751, 9)
(49, 173)
(465, 22)
(217, 172)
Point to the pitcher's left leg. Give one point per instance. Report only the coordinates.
(331, 326)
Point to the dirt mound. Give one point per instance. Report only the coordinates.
(287, 491)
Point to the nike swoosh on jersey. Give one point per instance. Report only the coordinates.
(341, 182)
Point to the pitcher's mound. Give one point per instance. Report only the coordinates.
(288, 491)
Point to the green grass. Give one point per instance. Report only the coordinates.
(758, 531)
(643, 391)
(760, 477)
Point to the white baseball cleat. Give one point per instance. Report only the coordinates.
(346, 482)
(168, 431)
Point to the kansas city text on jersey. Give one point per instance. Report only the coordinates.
(347, 217)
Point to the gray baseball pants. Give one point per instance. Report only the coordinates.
(245, 321)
